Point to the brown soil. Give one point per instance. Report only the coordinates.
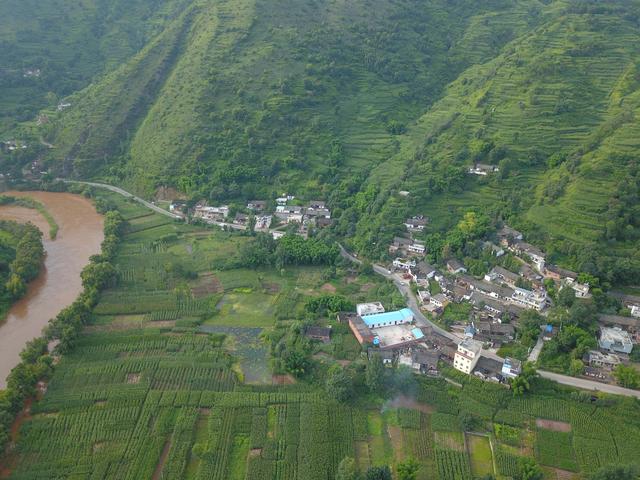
(157, 474)
(366, 287)
(271, 287)
(206, 284)
(10, 459)
(97, 446)
(395, 434)
(564, 474)
(255, 452)
(553, 425)
(204, 411)
(402, 401)
(134, 377)
(282, 380)
(168, 193)
(327, 287)
(100, 403)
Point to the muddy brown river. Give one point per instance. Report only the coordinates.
(79, 236)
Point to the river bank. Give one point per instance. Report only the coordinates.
(79, 236)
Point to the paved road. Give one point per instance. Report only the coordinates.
(589, 384)
(124, 193)
(535, 352)
(421, 320)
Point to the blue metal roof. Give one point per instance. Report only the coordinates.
(417, 333)
(388, 317)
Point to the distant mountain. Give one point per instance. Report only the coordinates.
(355, 101)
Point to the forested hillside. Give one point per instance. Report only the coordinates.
(355, 101)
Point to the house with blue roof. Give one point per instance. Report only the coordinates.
(388, 319)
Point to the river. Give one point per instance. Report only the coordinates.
(79, 236)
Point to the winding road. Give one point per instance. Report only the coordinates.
(423, 321)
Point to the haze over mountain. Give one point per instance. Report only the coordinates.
(351, 101)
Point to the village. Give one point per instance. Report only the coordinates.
(497, 301)
(284, 214)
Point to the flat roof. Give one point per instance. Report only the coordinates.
(388, 317)
(369, 308)
(394, 335)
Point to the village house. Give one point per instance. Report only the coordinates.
(536, 299)
(424, 296)
(511, 367)
(581, 290)
(501, 275)
(360, 330)
(496, 251)
(422, 272)
(404, 263)
(497, 309)
(508, 235)
(63, 106)
(490, 289)
(263, 222)
(387, 356)
(417, 247)
(416, 223)
(318, 212)
(536, 255)
(211, 214)
(557, 273)
(440, 300)
(421, 359)
(257, 205)
(400, 244)
(483, 169)
(321, 334)
(455, 266)
(629, 324)
(344, 317)
(397, 317)
(615, 340)
(241, 219)
(635, 310)
(370, 308)
(531, 275)
(494, 332)
(316, 204)
(467, 356)
(290, 213)
(598, 359)
(549, 332)
(178, 207)
(322, 222)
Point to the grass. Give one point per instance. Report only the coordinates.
(480, 454)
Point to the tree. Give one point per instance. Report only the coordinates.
(339, 385)
(617, 472)
(378, 473)
(347, 469)
(529, 470)
(374, 376)
(15, 286)
(566, 297)
(627, 376)
(408, 470)
(576, 367)
(522, 383)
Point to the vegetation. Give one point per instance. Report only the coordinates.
(31, 203)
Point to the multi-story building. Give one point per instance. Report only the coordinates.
(467, 356)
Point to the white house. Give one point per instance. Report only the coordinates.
(467, 356)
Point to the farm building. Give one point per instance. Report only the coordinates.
(615, 340)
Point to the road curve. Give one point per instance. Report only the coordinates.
(421, 320)
(124, 193)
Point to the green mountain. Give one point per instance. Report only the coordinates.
(356, 101)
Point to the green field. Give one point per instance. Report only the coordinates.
(480, 454)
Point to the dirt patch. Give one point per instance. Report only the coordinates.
(204, 411)
(351, 279)
(327, 287)
(169, 193)
(366, 287)
(255, 452)
(134, 377)
(563, 474)
(402, 401)
(206, 284)
(97, 446)
(395, 435)
(270, 287)
(553, 425)
(100, 403)
(157, 474)
(282, 380)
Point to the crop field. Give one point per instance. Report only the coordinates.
(164, 383)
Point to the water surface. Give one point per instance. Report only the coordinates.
(79, 236)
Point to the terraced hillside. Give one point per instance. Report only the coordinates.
(251, 94)
(557, 112)
(354, 101)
